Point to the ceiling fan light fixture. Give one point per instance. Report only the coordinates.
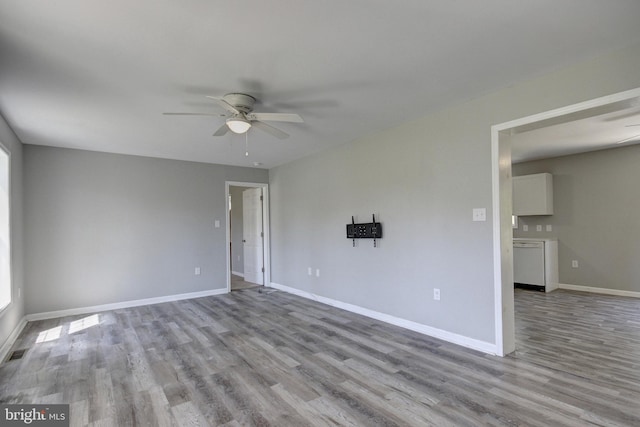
(238, 125)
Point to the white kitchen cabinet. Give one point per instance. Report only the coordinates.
(533, 194)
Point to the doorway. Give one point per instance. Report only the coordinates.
(247, 235)
(501, 135)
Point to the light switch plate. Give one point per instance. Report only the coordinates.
(549, 227)
(525, 227)
(479, 214)
(217, 223)
(538, 228)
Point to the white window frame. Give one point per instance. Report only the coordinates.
(5, 308)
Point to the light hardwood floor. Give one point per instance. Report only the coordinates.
(274, 359)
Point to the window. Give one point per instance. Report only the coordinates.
(5, 234)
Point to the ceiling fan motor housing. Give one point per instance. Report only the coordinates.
(240, 101)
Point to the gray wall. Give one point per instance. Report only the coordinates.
(237, 248)
(105, 228)
(596, 206)
(10, 318)
(422, 180)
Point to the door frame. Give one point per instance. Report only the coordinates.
(501, 190)
(266, 242)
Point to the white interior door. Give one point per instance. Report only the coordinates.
(252, 235)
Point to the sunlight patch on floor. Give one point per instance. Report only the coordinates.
(84, 323)
(49, 335)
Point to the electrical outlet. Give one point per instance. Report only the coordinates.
(549, 227)
(309, 271)
(317, 272)
(197, 271)
(538, 228)
(479, 214)
(525, 227)
(436, 294)
(574, 263)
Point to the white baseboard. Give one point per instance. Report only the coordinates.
(616, 292)
(237, 273)
(11, 339)
(124, 304)
(483, 346)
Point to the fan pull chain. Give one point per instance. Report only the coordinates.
(246, 144)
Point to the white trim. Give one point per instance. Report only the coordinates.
(605, 291)
(11, 339)
(397, 321)
(499, 251)
(569, 109)
(266, 242)
(497, 246)
(237, 273)
(12, 296)
(124, 304)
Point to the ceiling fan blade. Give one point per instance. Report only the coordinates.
(193, 114)
(224, 104)
(632, 138)
(276, 117)
(222, 130)
(270, 129)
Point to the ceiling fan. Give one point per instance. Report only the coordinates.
(241, 116)
(631, 138)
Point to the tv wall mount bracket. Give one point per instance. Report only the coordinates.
(368, 230)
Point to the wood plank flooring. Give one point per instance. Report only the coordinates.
(238, 283)
(270, 358)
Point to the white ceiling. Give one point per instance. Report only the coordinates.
(97, 75)
(611, 126)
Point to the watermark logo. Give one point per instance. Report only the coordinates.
(34, 415)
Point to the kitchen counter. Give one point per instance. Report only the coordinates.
(535, 239)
